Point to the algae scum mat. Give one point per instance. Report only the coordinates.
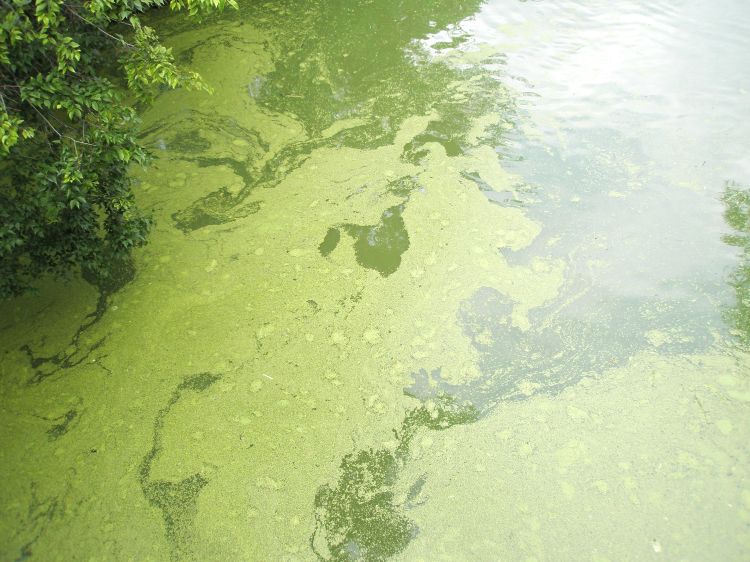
(431, 280)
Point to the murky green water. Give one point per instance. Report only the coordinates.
(431, 280)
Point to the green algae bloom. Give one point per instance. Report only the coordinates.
(412, 294)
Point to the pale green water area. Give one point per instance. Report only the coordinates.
(431, 280)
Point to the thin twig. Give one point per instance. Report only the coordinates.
(118, 39)
(79, 141)
(46, 120)
(59, 134)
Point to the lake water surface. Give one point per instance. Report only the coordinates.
(431, 280)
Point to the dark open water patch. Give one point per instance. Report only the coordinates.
(379, 246)
(329, 243)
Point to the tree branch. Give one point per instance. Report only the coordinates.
(46, 120)
(118, 39)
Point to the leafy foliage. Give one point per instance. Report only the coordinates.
(67, 136)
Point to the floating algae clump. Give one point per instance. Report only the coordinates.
(359, 518)
(177, 501)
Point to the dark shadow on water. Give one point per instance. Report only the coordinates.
(76, 352)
